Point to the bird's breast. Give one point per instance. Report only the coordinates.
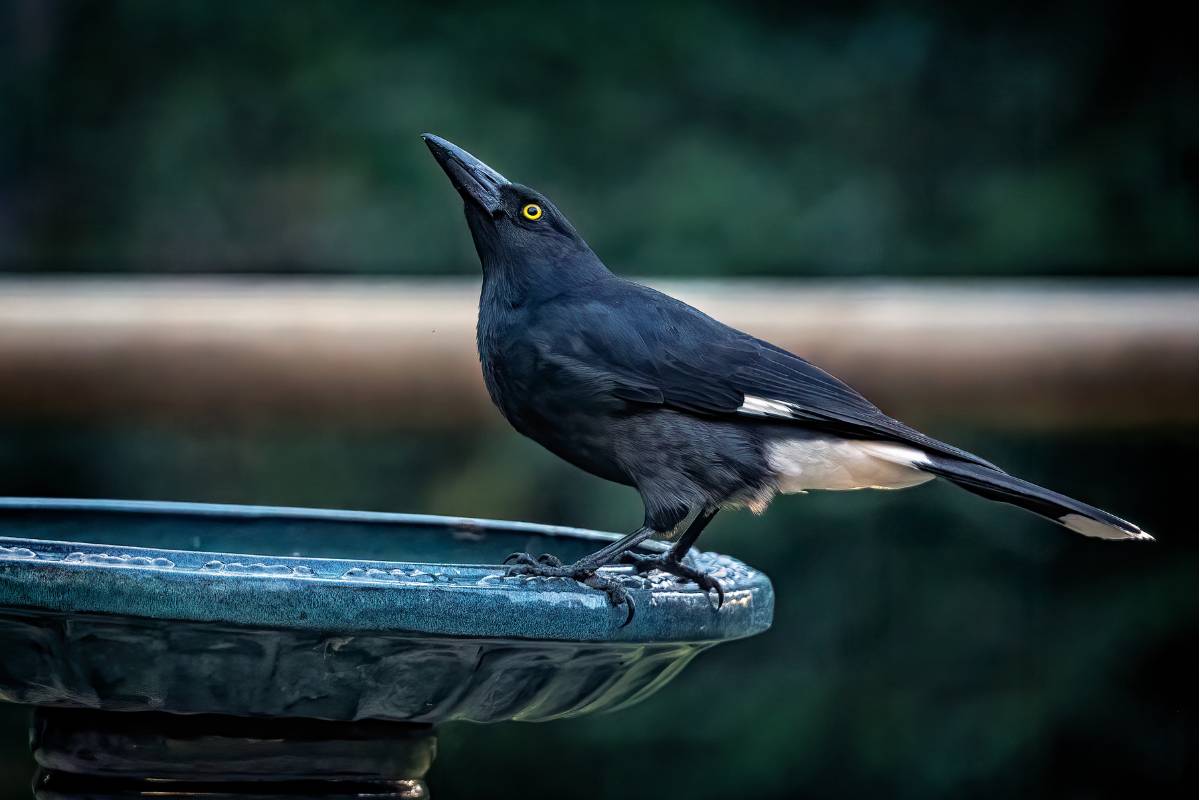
(542, 402)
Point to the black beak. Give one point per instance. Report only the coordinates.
(475, 181)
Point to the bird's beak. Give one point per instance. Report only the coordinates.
(475, 181)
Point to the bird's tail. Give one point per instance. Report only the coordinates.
(994, 484)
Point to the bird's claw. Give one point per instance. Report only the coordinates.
(527, 559)
(617, 594)
(706, 582)
(525, 564)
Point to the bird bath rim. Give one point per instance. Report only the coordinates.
(111, 640)
(432, 598)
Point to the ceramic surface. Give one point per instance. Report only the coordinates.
(264, 611)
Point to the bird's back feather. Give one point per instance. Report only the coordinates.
(657, 350)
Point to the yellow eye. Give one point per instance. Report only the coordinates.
(532, 211)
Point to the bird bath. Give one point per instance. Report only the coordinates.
(314, 648)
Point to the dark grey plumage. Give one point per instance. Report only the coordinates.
(639, 388)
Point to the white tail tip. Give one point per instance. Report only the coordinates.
(1101, 530)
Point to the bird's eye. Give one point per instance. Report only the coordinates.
(532, 211)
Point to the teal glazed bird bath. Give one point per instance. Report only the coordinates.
(345, 637)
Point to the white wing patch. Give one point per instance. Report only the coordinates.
(837, 464)
(761, 407)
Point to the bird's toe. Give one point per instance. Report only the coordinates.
(617, 594)
(547, 566)
(527, 559)
(709, 583)
(684, 572)
(640, 564)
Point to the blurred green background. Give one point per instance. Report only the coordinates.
(689, 138)
(926, 643)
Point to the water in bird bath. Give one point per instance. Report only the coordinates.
(299, 533)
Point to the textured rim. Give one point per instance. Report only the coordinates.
(270, 592)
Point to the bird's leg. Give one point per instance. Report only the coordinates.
(603, 556)
(672, 561)
(584, 570)
(689, 537)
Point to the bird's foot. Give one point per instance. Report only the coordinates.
(644, 564)
(529, 560)
(525, 564)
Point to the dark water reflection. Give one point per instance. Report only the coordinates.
(926, 643)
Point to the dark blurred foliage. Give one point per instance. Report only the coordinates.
(684, 138)
(926, 643)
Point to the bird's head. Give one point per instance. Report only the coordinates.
(519, 234)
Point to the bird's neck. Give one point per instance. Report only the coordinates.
(518, 282)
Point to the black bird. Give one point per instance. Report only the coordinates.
(637, 387)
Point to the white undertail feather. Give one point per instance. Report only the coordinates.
(837, 464)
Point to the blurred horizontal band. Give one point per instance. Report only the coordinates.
(401, 352)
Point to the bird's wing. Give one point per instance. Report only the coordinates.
(655, 350)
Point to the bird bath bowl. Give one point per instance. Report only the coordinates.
(314, 646)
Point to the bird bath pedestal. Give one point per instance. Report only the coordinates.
(250, 651)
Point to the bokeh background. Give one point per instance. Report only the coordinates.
(926, 643)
